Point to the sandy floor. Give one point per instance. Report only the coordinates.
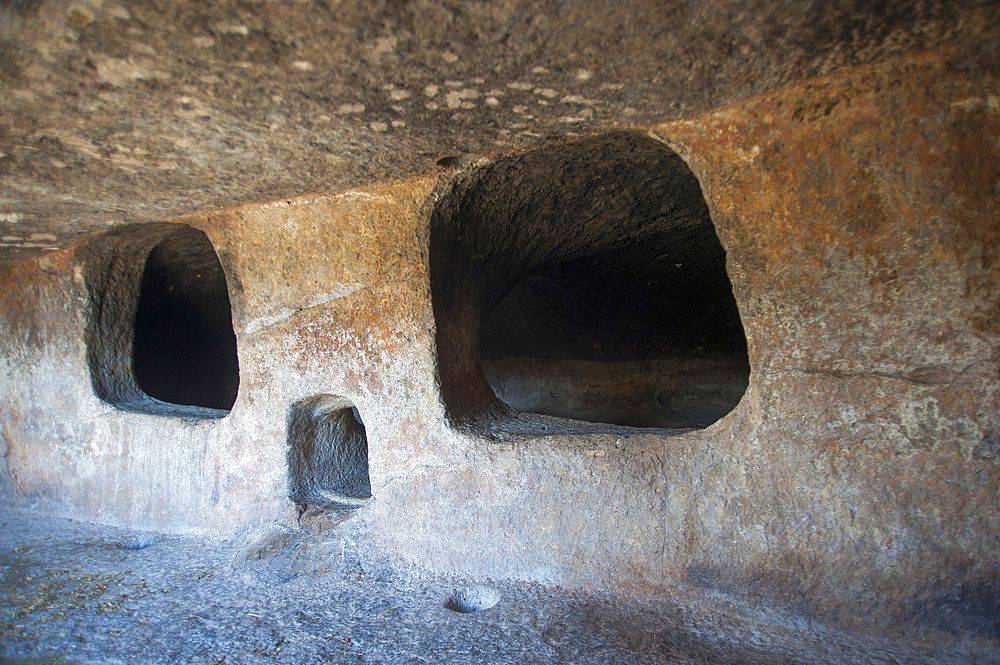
(81, 593)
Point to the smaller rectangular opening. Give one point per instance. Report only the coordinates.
(327, 452)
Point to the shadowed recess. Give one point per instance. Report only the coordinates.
(327, 452)
(583, 281)
(160, 334)
(185, 348)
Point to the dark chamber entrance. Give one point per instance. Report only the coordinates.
(160, 336)
(185, 348)
(584, 281)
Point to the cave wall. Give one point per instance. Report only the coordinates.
(585, 280)
(855, 482)
(322, 291)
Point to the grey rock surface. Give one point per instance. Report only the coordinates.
(72, 593)
(130, 110)
(855, 484)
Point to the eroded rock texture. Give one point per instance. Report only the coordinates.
(586, 281)
(160, 333)
(674, 157)
(126, 110)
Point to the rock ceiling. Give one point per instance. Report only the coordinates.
(141, 110)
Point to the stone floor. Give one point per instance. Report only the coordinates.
(82, 593)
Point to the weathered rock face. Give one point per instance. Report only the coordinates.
(588, 282)
(860, 238)
(160, 331)
(855, 481)
(327, 453)
(115, 111)
(344, 263)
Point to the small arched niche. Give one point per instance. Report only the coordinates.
(583, 281)
(327, 453)
(160, 332)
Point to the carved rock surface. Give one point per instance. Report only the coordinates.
(855, 482)
(116, 111)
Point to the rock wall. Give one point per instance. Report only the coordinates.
(856, 482)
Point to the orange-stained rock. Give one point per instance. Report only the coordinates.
(856, 482)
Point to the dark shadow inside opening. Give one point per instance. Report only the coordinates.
(327, 452)
(583, 281)
(184, 348)
(159, 332)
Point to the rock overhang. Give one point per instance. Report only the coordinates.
(855, 479)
